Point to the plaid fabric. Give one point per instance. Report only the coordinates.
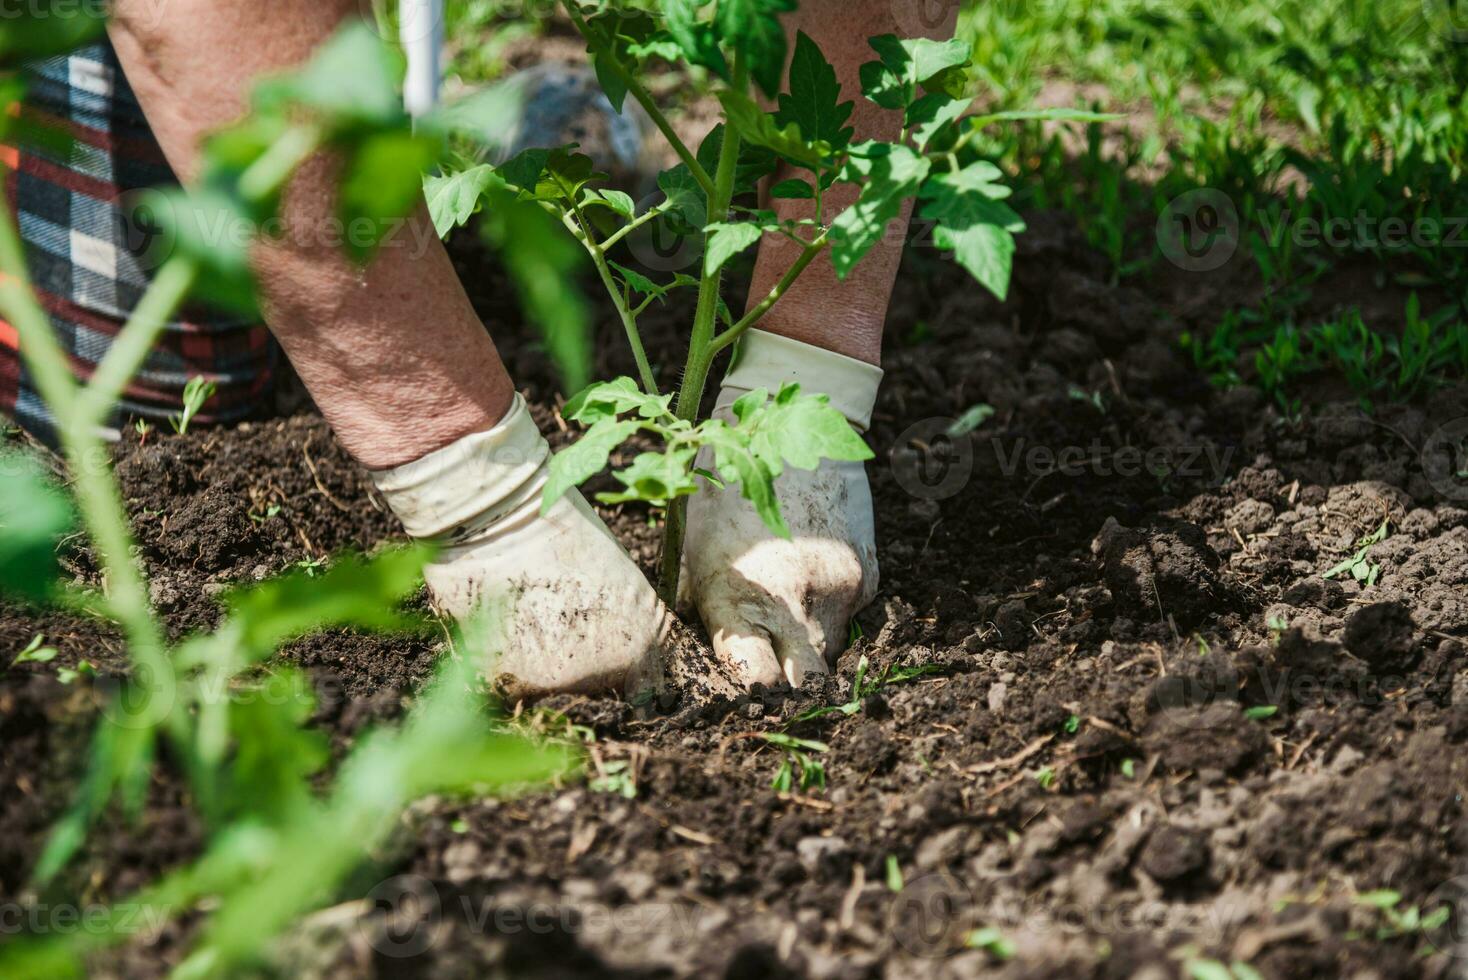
(88, 263)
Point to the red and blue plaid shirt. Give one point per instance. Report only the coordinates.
(88, 264)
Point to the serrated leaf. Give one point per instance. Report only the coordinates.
(974, 223)
(639, 283)
(685, 204)
(801, 431)
(656, 478)
(34, 516)
(584, 458)
(813, 102)
(726, 240)
(609, 399)
(760, 128)
(566, 173)
(453, 198)
(696, 39)
(892, 82)
(888, 174)
(752, 27)
(523, 170)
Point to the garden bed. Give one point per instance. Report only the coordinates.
(1110, 581)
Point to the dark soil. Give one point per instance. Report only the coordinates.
(1103, 578)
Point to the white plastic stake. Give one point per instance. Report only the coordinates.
(420, 28)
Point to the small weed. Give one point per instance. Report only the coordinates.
(1398, 922)
(992, 941)
(196, 392)
(862, 688)
(895, 881)
(311, 566)
(68, 674)
(1214, 970)
(272, 511)
(1261, 711)
(1129, 768)
(970, 420)
(35, 653)
(1072, 725)
(615, 778)
(1045, 777)
(1364, 571)
(800, 768)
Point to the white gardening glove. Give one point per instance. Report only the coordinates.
(778, 609)
(568, 611)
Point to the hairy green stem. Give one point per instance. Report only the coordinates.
(771, 298)
(630, 227)
(638, 92)
(96, 493)
(700, 353)
(629, 320)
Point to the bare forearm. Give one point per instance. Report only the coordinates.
(393, 354)
(843, 316)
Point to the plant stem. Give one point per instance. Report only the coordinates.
(271, 169)
(630, 227)
(133, 342)
(700, 353)
(771, 298)
(629, 320)
(96, 494)
(636, 90)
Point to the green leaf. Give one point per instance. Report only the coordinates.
(275, 753)
(799, 430)
(933, 116)
(905, 64)
(353, 592)
(699, 43)
(685, 204)
(454, 198)
(639, 283)
(523, 170)
(1381, 898)
(970, 420)
(211, 228)
(1261, 711)
(381, 182)
(1208, 970)
(618, 201)
(34, 516)
(566, 172)
(761, 128)
(351, 82)
(543, 261)
(656, 478)
(486, 117)
(813, 102)
(609, 399)
(737, 463)
(611, 35)
(974, 223)
(793, 189)
(727, 240)
(46, 28)
(752, 27)
(584, 458)
(888, 174)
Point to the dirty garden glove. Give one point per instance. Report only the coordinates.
(568, 610)
(778, 609)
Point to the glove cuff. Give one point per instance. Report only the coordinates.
(767, 360)
(461, 490)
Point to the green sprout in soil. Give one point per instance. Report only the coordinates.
(991, 940)
(799, 767)
(35, 652)
(709, 196)
(1202, 969)
(895, 881)
(1362, 570)
(1397, 921)
(196, 392)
